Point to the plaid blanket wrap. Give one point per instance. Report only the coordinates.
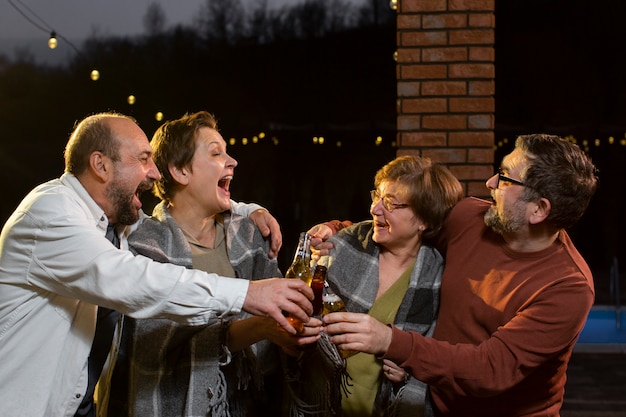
(166, 369)
(353, 275)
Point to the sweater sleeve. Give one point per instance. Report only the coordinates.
(545, 329)
(337, 225)
(244, 209)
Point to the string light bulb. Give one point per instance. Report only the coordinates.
(52, 42)
(393, 4)
(95, 75)
(131, 99)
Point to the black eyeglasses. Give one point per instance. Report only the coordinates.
(387, 203)
(502, 177)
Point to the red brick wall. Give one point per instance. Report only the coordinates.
(446, 85)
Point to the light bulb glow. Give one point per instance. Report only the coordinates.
(159, 116)
(131, 99)
(52, 42)
(95, 75)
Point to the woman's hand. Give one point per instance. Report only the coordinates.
(319, 246)
(393, 372)
(243, 333)
(269, 227)
(293, 344)
(357, 331)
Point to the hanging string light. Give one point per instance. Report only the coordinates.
(41, 24)
(52, 41)
(393, 4)
(585, 144)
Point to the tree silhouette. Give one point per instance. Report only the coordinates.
(221, 21)
(154, 20)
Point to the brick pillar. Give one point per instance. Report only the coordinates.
(446, 85)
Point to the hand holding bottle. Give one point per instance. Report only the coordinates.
(334, 304)
(319, 246)
(294, 345)
(357, 331)
(276, 297)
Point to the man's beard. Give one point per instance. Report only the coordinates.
(123, 202)
(510, 221)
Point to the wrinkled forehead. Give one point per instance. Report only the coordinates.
(129, 135)
(515, 162)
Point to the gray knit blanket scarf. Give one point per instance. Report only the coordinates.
(353, 275)
(176, 370)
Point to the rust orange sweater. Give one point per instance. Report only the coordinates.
(507, 324)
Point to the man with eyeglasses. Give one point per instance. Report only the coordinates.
(515, 292)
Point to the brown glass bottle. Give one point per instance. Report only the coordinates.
(300, 268)
(334, 304)
(317, 285)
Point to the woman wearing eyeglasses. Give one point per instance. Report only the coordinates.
(384, 267)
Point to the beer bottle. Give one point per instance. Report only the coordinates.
(300, 268)
(334, 304)
(317, 285)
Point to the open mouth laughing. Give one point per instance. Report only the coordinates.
(224, 183)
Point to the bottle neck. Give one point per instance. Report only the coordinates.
(303, 251)
(320, 273)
